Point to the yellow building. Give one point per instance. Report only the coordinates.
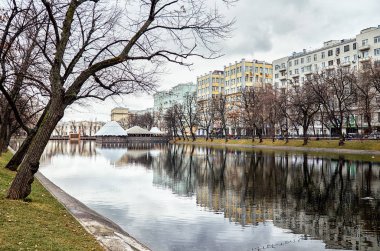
(246, 74)
(210, 85)
(119, 114)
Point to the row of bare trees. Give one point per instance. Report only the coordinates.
(327, 99)
(56, 53)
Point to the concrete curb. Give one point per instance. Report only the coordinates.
(290, 148)
(106, 232)
(109, 234)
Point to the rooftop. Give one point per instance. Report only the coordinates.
(111, 128)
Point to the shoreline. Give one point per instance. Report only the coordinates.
(108, 234)
(284, 148)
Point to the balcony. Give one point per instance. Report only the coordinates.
(364, 47)
(365, 59)
(282, 69)
(344, 64)
(282, 77)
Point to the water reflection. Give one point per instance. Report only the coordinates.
(279, 200)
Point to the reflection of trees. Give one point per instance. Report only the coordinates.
(316, 196)
(62, 147)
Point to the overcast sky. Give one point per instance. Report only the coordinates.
(264, 30)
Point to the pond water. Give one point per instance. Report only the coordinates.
(197, 198)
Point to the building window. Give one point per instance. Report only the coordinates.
(296, 62)
(323, 64)
(290, 72)
(296, 71)
(275, 75)
(302, 60)
(338, 61)
(337, 51)
(308, 59)
(354, 46)
(290, 63)
(346, 48)
(377, 52)
(323, 54)
(315, 57)
(364, 42)
(282, 65)
(365, 54)
(330, 53)
(331, 62)
(377, 39)
(347, 59)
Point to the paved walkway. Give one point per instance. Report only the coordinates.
(107, 233)
(292, 148)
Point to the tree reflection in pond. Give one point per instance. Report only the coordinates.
(320, 197)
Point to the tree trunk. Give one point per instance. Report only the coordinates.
(20, 154)
(305, 137)
(21, 185)
(4, 131)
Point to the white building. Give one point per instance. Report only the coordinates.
(84, 128)
(176, 95)
(345, 52)
(364, 47)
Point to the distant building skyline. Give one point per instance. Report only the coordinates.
(269, 32)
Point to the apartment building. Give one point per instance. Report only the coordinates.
(210, 85)
(176, 95)
(352, 52)
(240, 75)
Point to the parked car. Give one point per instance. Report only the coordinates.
(374, 135)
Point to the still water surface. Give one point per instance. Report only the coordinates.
(198, 198)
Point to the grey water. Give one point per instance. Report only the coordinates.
(182, 197)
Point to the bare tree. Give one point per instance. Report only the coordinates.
(368, 82)
(221, 113)
(206, 111)
(145, 120)
(336, 93)
(252, 108)
(89, 56)
(303, 106)
(190, 115)
(170, 119)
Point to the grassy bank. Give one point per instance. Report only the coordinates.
(242, 144)
(39, 224)
(349, 144)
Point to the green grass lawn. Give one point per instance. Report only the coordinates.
(349, 144)
(41, 223)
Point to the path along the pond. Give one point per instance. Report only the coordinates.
(107, 233)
